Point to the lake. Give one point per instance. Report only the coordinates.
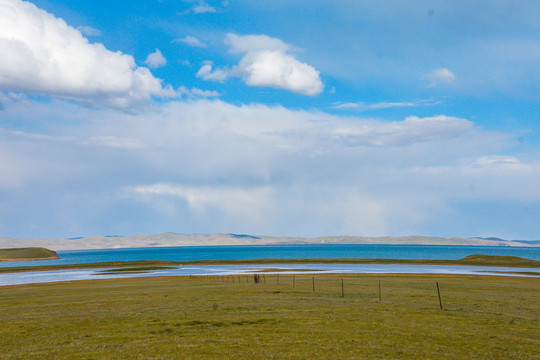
(270, 252)
(186, 253)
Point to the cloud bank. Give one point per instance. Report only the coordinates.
(212, 166)
(197, 164)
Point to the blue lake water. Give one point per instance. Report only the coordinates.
(185, 253)
(269, 252)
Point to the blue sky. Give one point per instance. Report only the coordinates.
(299, 118)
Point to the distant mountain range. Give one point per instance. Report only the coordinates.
(518, 241)
(173, 239)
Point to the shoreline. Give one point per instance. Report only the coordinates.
(286, 276)
(228, 275)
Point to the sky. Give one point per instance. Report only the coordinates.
(270, 117)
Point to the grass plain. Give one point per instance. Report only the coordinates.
(30, 253)
(227, 317)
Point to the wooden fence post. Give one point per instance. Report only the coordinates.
(439, 293)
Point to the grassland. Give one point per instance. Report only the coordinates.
(216, 318)
(30, 253)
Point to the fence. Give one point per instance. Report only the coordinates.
(326, 285)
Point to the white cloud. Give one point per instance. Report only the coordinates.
(89, 31)
(276, 69)
(497, 161)
(114, 142)
(412, 130)
(48, 56)
(486, 178)
(250, 43)
(191, 41)
(155, 60)
(247, 203)
(362, 106)
(196, 93)
(438, 76)
(207, 73)
(200, 7)
(10, 97)
(266, 63)
(207, 166)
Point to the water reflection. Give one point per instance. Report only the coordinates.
(198, 270)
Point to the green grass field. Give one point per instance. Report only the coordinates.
(27, 253)
(216, 318)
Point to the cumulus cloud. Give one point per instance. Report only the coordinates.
(273, 68)
(266, 63)
(155, 60)
(48, 56)
(191, 41)
(438, 76)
